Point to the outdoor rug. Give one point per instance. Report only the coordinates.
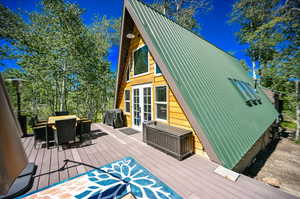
(115, 180)
(129, 131)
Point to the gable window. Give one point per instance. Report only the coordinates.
(140, 61)
(127, 101)
(157, 70)
(161, 102)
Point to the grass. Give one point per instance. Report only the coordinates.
(289, 125)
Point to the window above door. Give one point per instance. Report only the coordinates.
(140, 61)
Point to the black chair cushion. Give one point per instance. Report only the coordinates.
(30, 169)
(19, 187)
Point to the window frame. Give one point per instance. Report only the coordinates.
(126, 101)
(156, 74)
(151, 101)
(133, 65)
(158, 102)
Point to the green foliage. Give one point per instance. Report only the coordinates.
(244, 65)
(257, 23)
(11, 27)
(65, 62)
(271, 30)
(184, 12)
(11, 24)
(288, 125)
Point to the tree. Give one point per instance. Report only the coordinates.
(184, 12)
(11, 24)
(64, 61)
(11, 27)
(290, 11)
(271, 29)
(258, 23)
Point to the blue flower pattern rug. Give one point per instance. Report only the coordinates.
(114, 180)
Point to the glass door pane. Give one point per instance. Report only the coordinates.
(136, 107)
(147, 104)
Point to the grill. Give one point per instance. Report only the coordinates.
(171, 140)
(114, 118)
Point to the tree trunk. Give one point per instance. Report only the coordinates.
(18, 99)
(56, 95)
(34, 102)
(165, 7)
(62, 96)
(178, 5)
(297, 109)
(254, 74)
(253, 70)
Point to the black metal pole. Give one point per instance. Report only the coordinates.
(66, 161)
(18, 99)
(21, 118)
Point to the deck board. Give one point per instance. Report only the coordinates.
(63, 175)
(44, 179)
(29, 148)
(26, 144)
(54, 177)
(72, 171)
(191, 178)
(39, 163)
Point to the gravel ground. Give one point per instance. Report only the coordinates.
(282, 162)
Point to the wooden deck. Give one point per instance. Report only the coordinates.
(191, 178)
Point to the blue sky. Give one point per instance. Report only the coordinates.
(214, 24)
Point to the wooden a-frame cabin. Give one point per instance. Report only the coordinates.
(167, 73)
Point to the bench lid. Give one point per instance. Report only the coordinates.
(170, 129)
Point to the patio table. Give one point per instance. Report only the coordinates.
(52, 119)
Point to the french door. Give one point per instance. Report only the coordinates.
(142, 105)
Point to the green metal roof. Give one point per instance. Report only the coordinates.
(201, 73)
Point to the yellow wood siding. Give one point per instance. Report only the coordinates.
(175, 115)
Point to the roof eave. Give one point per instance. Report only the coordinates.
(119, 57)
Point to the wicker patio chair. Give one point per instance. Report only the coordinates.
(65, 131)
(84, 129)
(42, 134)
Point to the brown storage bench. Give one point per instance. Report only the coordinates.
(172, 140)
